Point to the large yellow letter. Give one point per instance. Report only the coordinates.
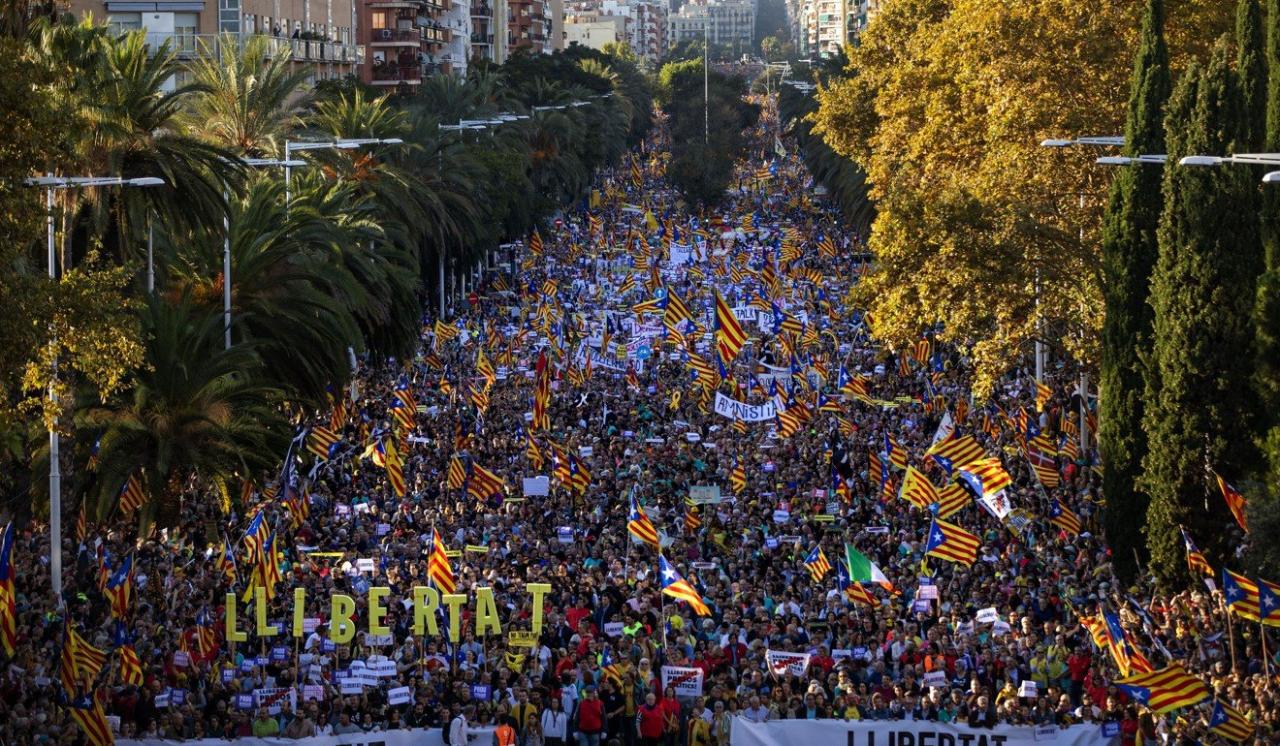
(299, 609)
(538, 591)
(426, 600)
(378, 610)
(260, 612)
(487, 622)
(455, 601)
(342, 609)
(233, 634)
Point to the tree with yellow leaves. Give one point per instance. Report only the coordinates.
(978, 226)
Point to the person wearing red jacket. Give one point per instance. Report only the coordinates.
(651, 721)
(590, 718)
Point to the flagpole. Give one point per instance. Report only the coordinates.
(1231, 635)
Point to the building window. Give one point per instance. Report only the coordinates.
(123, 23)
(185, 26)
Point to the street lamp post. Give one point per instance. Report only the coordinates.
(1099, 141)
(226, 239)
(346, 143)
(50, 183)
(466, 125)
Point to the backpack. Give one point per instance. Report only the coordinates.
(444, 732)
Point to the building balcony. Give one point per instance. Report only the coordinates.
(391, 74)
(481, 11)
(190, 46)
(482, 39)
(390, 37)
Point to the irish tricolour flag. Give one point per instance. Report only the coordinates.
(864, 570)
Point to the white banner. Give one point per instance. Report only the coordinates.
(906, 733)
(480, 736)
(738, 410)
(686, 680)
(792, 664)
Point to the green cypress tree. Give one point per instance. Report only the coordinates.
(1251, 67)
(1198, 415)
(1128, 256)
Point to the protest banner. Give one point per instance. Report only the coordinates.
(479, 735)
(902, 733)
(704, 494)
(686, 680)
(790, 664)
(272, 697)
(744, 412)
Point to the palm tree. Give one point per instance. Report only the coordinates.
(281, 301)
(195, 409)
(249, 101)
(139, 132)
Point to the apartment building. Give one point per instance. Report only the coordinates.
(641, 24)
(408, 40)
(319, 33)
(488, 30)
(725, 23)
(528, 26)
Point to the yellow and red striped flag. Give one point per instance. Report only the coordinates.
(1235, 501)
(950, 542)
(730, 337)
(438, 568)
(678, 588)
(639, 525)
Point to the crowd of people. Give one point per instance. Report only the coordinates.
(630, 418)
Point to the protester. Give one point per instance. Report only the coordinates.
(631, 409)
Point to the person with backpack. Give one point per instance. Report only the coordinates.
(457, 733)
(590, 720)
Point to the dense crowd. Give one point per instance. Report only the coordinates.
(643, 428)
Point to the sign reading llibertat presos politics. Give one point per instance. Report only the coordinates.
(913, 733)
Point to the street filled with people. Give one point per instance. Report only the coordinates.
(745, 509)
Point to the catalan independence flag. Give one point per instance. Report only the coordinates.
(852, 589)
(678, 588)
(817, 565)
(87, 712)
(1241, 595)
(895, 454)
(950, 542)
(984, 477)
(1229, 723)
(953, 453)
(1196, 561)
(1269, 603)
(132, 494)
(535, 243)
(1164, 690)
(1235, 501)
(120, 588)
(323, 442)
(1062, 517)
(639, 525)
(8, 597)
(730, 337)
(676, 311)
